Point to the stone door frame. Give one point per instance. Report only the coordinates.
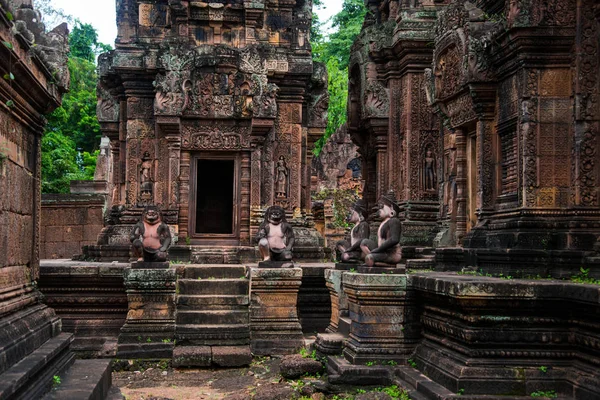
(215, 238)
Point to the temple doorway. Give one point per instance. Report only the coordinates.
(215, 207)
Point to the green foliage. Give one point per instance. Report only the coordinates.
(583, 277)
(412, 363)
(370, 363)
(334, 51)
(56, 381)
(549, 394)
(460, 392)
(306, 354)
(84, 42)
(544, 369)
(69, 146)
(343, 199)
(61, 163)
(338, 99)
(395, 392)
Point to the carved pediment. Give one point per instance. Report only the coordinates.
(191, 85)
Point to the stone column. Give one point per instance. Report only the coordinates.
(384, 324)
(149, 330)
(274, 324)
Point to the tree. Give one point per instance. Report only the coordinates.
(334, 51)
(70, 143)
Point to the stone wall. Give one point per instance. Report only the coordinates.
(470, 335)
(69, 222)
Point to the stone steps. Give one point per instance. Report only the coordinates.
(85, 380)
(215, 271)
(32, 377)
(215, 286)
(212, 319)
(209, 301)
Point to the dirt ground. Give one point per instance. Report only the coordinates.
(260, 381)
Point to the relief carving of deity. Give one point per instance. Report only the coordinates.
(282, 174)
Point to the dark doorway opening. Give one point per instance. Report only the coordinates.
(214, 196)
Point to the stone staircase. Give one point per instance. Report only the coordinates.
(424, 259)
(212, 318)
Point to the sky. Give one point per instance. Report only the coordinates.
(101, 14)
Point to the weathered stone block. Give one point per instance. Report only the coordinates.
(295, 366)
(274, 323)
(380, 310)
(149, 330)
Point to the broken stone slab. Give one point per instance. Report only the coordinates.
(295, 366)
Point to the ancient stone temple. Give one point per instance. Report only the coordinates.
(483, 117)
(212, 110)
(34, 352)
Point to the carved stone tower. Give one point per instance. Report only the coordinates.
(212, 110)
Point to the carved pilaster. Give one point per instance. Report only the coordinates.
(461, 185)
(184, 190)
(174, 163)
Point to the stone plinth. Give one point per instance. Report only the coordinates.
(274, 324)
(384, 326)
(495, 336)
(150, 326)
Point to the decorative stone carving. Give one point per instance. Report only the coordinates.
(151, 237)
(387, 251)
(276, 239)
(376, 103)
(350, 251)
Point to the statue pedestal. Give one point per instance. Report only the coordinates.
(274, 324)
(149, 330)
(384, 326)
(275, 264)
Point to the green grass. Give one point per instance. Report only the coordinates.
(549, 394)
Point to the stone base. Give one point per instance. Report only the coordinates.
(90, 300)
(340, 371)
(276, 264)
(274, 324)
(383, 325)
(347, 266)
(149, 330)
(398, 269)
(329, 344)
(150, 265)
(205, 356)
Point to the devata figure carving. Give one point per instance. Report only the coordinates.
(387, 251)
(275, 236)
(281, 187)
(429, 173)
(151, 237)
(351, 251)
